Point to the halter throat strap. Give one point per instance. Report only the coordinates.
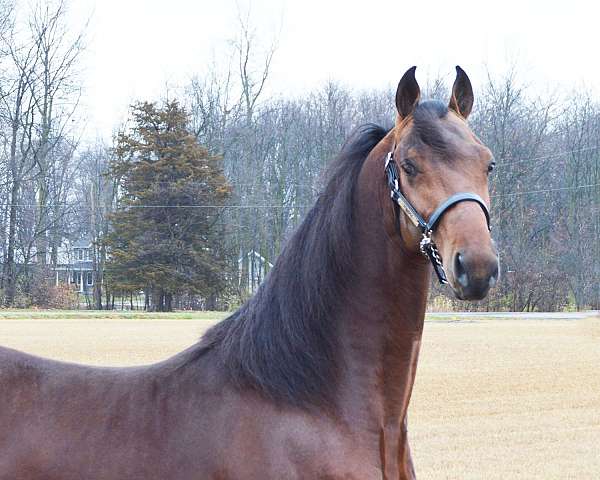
(427, 245)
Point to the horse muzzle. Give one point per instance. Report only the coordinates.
(473, 274)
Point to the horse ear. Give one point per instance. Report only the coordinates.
(461, 100)
(407, 94)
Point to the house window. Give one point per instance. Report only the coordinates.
(88, 254)
(77, 278)
(79, 254)
(89, 279)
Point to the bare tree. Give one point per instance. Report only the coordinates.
(96, 197)
(18, 107)
(38, 96)
(253, 65)
(56, 93)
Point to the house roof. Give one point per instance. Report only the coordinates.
(82, 243)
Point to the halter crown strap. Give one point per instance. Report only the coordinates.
(391, 170)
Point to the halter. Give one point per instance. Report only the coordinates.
(427, 245)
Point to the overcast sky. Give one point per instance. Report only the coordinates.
(136, 47)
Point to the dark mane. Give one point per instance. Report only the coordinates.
(426, 124)
(282, 342)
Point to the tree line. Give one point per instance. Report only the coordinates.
(545, 190)
(253, 167)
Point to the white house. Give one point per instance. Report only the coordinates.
(75, 265)
(252, 270)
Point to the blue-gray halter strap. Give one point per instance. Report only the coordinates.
(427, 245)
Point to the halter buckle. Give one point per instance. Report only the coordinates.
(426, 243)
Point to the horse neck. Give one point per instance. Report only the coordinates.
(384, 313)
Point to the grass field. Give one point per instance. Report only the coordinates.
(495, 398)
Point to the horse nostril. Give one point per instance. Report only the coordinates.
(474, 275)
(460, 273)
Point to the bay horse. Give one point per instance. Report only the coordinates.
(311, 378)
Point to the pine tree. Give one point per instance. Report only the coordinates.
(166, 235)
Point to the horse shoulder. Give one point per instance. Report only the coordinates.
(273, 442)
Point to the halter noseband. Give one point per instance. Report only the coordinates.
(427, 245)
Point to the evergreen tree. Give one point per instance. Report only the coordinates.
(165, 236)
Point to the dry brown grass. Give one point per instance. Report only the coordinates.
(494, 399)
(100, 339)
(501, 399)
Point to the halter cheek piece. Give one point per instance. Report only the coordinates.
(427, 245)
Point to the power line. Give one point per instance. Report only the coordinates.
(576, 187)
(547, 157)
(31, 205)
(217, 206)
(526, 192)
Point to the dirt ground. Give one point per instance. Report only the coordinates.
(494, 398)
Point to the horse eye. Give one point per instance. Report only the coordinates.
(409, 168)
(491, 167)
